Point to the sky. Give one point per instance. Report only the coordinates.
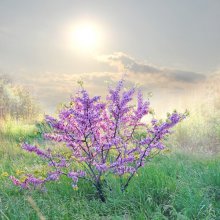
(168, 47)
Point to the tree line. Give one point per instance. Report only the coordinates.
(15, 101)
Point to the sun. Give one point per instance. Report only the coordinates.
(86, 36)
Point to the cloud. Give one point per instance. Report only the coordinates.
(127, 63)
(52, 88)
(186, 76)
(124, 61)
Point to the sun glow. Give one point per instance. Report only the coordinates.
(86, 37)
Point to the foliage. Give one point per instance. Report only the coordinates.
(15, 101)
(101, 137)
(199, 134)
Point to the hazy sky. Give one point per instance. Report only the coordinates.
(163, 44)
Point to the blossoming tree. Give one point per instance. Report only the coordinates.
(102, 138)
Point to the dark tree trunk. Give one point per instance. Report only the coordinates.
(100, 192)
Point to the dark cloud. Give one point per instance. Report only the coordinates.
(186, 76)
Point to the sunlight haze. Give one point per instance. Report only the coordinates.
(169, 46)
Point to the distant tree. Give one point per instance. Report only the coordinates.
(15, 101)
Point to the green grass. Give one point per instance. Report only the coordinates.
(172, 186)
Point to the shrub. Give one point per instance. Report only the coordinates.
(15, 101)
(102, 138)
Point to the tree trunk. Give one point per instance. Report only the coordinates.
(100, 192)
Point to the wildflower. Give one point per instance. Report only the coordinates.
(4, 174)
(75, 187)
(19, 172)
(15, 181)
(22, 179)
(54, 176)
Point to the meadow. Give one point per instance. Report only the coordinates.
(180, 183)
(109, 110)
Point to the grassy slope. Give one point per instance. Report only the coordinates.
(173, 186)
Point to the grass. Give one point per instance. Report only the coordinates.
(200, 133)
(172, 186)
